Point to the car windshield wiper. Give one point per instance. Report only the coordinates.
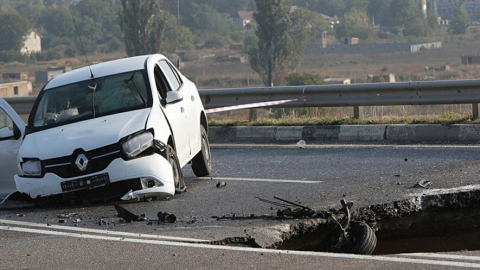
(136, 88)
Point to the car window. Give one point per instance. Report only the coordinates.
(171, 74)
(6, 124)
(161, 83)
(92, 98)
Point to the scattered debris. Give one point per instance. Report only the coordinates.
(422, 184)
(301, 144)
(127, 215)
(166, 217)
(62, 221)
(300, 211)
(221, 184)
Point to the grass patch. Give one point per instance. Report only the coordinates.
(446, 119)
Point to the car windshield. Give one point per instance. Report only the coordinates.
(90, 99)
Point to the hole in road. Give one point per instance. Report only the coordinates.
(431, 231)
(433, 223)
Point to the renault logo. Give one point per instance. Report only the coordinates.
(81, 162)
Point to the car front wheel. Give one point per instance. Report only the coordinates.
(202, 162)
(177, 170)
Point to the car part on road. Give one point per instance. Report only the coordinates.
(202, 162)
(127, 215)
(221, 184)
(422, 184)
(347, 236)
(164, 217)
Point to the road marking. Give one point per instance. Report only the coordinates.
(442, 256)
(260, 180)
(116, 233)
(245, 249)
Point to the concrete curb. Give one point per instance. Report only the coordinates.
(346, 133)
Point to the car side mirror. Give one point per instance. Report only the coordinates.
(172, 97)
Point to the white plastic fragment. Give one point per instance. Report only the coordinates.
(301, 144)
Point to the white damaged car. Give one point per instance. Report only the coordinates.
(119, 128)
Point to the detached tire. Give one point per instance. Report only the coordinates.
(202, 162)
(365, 239)
(178, 178)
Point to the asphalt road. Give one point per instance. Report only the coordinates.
(93, 236)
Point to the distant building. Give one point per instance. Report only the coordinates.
(470, 59)
(336, 81)
(444, 8)
(14, 76)
(380, 78)
(242, 18)
(33, 43)
(43, 77)
(350, 40)
(15, 89)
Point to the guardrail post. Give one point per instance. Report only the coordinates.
(357, 112)
(475, 110)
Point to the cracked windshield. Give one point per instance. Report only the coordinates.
(91, 99)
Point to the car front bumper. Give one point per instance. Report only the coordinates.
(154, 169)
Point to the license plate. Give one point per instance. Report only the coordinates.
(86, 182)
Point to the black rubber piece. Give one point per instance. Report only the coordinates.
(365, 239)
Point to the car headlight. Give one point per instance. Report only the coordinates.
(32, 168)
(136, 145)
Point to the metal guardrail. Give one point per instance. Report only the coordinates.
(356, 95)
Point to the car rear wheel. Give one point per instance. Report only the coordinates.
(177, 170)
(202, 162)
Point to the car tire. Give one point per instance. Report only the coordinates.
(178, 178)
(202, 162)
(364, 240)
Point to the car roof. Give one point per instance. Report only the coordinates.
(100, 70)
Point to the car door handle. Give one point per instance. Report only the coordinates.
(192, 98)
(182, 110)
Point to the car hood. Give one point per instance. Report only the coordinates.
(86, 135)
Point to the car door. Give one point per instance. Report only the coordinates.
(12, 129)
(175, 109)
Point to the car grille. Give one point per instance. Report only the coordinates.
(98, 160)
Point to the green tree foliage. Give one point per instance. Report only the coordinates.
(176, 36)
(401, 12)
(14, 27)
(143, 24)
(378, 11)
(460, 20)
(98, 19)
(277, 48)
(214, 28)
(58, 21)
(307, 78)
(354, 24)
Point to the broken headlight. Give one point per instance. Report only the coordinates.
(32, 167)
(137, 144)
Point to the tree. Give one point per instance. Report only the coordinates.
(354, 24)
(400, 13)
(143, 23)
(460, 19)
(58, 21)
(281, 39)
(378, 11)
(13, 30)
